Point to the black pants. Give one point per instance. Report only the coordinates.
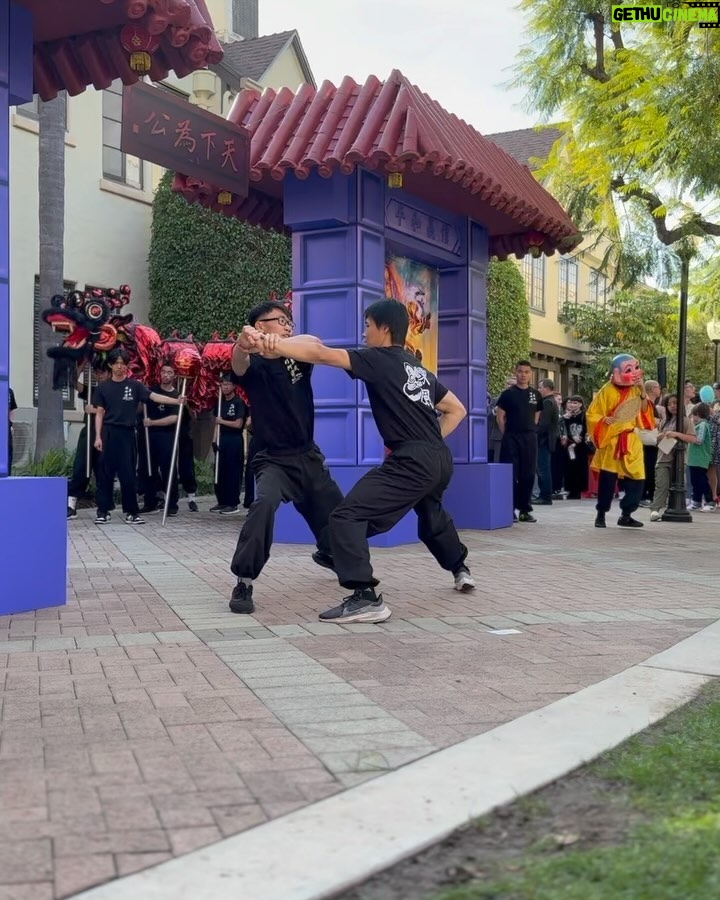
(230, 467)
(576, 471)
(630, 501)
(79, 481)
(557, 466)
(249, 497)
(119, 457)
(544, 471)
(161, 444)
(414, 476)
(650, 455)
(521, 451)
(700, 485)
(303, 480)
(186, 463)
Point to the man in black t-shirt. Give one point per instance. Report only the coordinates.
(404, 397)
(12, 406)
(79, 481)
(288, 466)
(518, 412)
(230, 448)
(116, 403)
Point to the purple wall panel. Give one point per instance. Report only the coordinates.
(371, 450)
(20, 57)
(477, 245)
(371, 259)
(477, 285)
(317, 201)
(477, 397)
(324, 258)
(336, 435)
(478, 342)
(371, 199)
(333, 387)
(453, 340)
(4, 337)
(478, 438)
(453, 291)
(329, 315)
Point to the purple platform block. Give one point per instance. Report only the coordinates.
(33, 560)
(480, 496)
(290, 527)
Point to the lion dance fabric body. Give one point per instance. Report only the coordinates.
(92, 324)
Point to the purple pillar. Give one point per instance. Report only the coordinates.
(33, 567)
(343, 227)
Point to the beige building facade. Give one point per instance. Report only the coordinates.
(108, 194)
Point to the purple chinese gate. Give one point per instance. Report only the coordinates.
(343, 228)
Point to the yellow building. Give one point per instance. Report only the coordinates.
(109, 195)
(551, 282)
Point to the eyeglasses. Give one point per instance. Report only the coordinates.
(281, 319)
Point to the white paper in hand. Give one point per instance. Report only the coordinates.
(667, 445)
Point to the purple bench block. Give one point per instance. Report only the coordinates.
(33, 558)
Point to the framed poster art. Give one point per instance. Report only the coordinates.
(416, 286)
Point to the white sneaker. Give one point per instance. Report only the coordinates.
(464, 580)
(708, 507)
(655, 516)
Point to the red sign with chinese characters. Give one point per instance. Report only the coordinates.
(162, 128)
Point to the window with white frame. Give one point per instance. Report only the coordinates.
(117, 166)
(598, 288)
(534, 276)
(567, 289)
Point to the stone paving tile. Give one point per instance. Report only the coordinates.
(144, 720)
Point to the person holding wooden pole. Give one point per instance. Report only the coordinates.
(229, 448)
(86, 457)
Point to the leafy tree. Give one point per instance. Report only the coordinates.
(508, 322)
(207, 270)
(643, 322)
(639, 159)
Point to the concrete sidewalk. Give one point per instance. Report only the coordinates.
(144, 720)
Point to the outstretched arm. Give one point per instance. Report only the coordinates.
(453, 412)
(307, 349)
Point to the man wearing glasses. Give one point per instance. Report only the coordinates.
(288, 467)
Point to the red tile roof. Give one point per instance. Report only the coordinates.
(77, 43)
(389, 127)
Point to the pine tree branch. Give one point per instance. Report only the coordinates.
(668, 236)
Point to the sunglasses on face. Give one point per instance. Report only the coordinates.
(281, 320)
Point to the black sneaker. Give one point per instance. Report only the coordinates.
(629, 522)
(217, 508)
(71, 512)
(324, 560)
(241, 600)
(146, 510)
(363, 605)
(173, 512)
(192, 506)
(526, 517)
(600, 520)
(102, 519)
(134, 520)
(542, 502)
(230, 510)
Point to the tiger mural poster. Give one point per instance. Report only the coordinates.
(416, 286)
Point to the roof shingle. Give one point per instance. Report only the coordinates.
(526, 143)
(252, 59)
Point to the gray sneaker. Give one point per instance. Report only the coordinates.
(463, 580)
(363, 605)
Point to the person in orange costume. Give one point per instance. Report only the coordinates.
(618, 408)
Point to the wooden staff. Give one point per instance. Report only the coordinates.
(88, 443)
(217, 437)
(147, 443)
(176, 444)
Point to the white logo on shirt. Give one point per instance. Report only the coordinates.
(533, 397)
(231, 409)
(293, 370)
(128, 395)
(414, 387)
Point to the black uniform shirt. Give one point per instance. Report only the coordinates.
(520, 406)
(402, 393)
(233, 410)
(162, 411)
(281, 397)
(119, 399)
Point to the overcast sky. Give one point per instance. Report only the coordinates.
(457, 51)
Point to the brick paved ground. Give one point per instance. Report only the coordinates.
(144, 720)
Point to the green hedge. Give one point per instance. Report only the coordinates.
(206, 270)
(508, 322)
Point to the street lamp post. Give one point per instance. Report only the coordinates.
(713, 331)
(677, 510)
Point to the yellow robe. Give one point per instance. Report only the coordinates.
(619, 449)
